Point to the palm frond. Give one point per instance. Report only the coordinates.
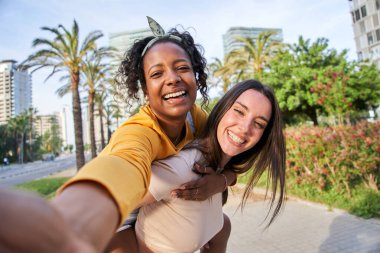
(65, 89)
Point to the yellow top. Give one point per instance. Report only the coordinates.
(123, 167)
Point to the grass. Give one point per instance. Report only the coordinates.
(45, 187)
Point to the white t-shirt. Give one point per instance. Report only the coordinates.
(175, 225)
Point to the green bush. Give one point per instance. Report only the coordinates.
(366, 204)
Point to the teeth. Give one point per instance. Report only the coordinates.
(235, 138)
(175, 94)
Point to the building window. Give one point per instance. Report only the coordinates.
(362, 27)
(357, 14)
(378, 34)
(377, 4)
(364, 11)
(370, 38)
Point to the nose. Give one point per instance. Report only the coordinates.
(246, 126)
(173, 77)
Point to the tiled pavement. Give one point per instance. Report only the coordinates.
(300, 227)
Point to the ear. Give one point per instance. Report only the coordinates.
(146, 95)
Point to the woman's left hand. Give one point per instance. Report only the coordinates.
(203, 188)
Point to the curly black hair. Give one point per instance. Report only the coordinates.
(130, 74)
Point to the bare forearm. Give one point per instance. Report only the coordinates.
(90, 213)
(31, 224)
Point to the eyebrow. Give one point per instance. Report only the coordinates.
(175, 62)
(246, 108)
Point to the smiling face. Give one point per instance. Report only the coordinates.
(243, 124)
(170, 81)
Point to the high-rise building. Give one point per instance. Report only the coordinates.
(122, 41)
(366, 26)
(229, 38)
(15, 90)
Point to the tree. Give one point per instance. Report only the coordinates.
(222, 72)
(100, 100)
(8, 143)
(94, 72)
(63, 53)
(256, 53)
(18, 126)
(51, 140)
(364, 87)
(306, 76)
(248, 62)
(31, 114)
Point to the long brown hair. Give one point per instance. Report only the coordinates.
(269, 153)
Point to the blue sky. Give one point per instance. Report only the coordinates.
(21, 20)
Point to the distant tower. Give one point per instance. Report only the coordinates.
(122, 41)
(366, 26)
(15, 90)
(229, 38)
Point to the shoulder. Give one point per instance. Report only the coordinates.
(181, 162)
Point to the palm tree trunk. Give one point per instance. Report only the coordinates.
(108, 130)
(91, 95)
(77, 115)
(31, 137)
(101, 127)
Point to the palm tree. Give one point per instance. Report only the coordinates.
(64, 54)
(222, 72)
(116, 112)
(109, 111)
(94, 72)
(100, 100)
(256, 53)
(31, 114)
(231, 70)
(18, 127)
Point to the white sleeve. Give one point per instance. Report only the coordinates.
(170, 173)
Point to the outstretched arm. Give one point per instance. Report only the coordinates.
(90, 213)
(80, 220)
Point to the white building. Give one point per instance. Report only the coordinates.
(122, 41)
(44, 123)
(15, 90)
(366, 27)
(229, 38)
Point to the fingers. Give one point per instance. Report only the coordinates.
(188, 194)
(200, 169)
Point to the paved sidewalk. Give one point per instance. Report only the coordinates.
(300, 227)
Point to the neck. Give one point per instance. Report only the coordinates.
(224, 159)
(174, 129)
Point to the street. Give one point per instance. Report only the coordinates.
(19, 173)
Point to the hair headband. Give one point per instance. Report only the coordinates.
(158, 33)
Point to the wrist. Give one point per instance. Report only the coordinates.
(225, 182)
